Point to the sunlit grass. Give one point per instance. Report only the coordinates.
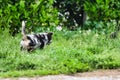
(70, 52)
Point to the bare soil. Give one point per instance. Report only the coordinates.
(94, 75)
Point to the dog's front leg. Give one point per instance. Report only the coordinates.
(30, 49)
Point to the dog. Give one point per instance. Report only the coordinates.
(31, 42)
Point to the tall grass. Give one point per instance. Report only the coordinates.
(70, 52)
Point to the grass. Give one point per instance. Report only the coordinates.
(70, 52)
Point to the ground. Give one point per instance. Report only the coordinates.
(94, 75)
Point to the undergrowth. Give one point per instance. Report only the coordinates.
(70, 52)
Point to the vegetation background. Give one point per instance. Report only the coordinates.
(83, 44)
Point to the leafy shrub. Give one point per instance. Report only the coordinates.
(102, 9)
(50, 13)
(105, 11)
(37, 13)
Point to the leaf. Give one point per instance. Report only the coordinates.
(22, 4)
(98, 1)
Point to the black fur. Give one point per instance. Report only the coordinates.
(40, 39)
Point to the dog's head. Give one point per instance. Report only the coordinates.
(49, 35)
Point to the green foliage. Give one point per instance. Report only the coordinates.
(70, 52)
(102, 9)
(72, 13)
(50, 13)
(37, 13)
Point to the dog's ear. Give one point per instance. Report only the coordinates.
(50, 34)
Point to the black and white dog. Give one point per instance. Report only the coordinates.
(31, 42)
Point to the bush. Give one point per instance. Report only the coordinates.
(37, 13)
(50, 13)
(105, 11)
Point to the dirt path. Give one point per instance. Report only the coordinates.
(95, 75)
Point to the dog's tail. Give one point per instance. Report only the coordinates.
(23, 29)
